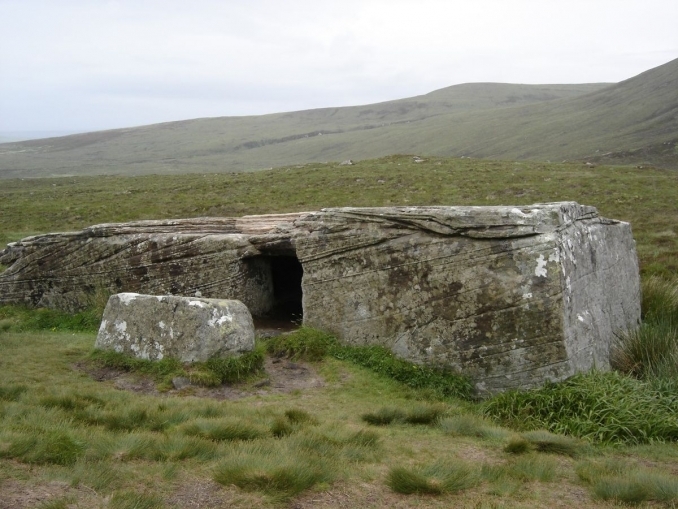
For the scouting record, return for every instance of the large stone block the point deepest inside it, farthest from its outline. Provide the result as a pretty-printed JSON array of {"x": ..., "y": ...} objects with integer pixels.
[
  {"x": 189, "y": 329},
  {"x": 511, "y": 296}
]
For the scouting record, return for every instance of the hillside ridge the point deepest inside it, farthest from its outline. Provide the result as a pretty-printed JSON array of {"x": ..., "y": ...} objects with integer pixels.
[{"x": 486, "y": 120}]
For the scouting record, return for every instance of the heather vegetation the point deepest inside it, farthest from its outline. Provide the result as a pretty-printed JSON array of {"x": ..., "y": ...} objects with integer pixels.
[{"x": 379, "y": 432}]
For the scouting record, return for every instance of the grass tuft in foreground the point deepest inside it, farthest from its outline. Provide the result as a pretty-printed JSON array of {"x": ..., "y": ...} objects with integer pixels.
[
  {"x": 303, "y": 344},
  {"x": 651, "y": 350},
  {"x": 524, "y": 468},
  {"x": 543, "y": 441},
  {"x": 220, "y": 430},
  {"x": 52, "y": 447},
  {"x": 436, "y": 479},
  {"x": 602, "y": 407},
  {"x": 614, "y": 480},
  {"x": 426, "y": 415},
  {"x": 468, "y": 425}
]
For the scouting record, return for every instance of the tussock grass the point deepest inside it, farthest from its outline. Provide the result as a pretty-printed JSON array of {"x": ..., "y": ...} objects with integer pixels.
[
  {"x": 659, "y": 297},
  {"x": 526, "y": 468},
  {"x": 421, "y": 414},
  {"x": 590, "y": 470},
  {"x": 303, "y": 344},
  {"x": 236, "y": 369},
  {"x": 384, "y": 416},
  {"x": 543, "y": 441},
  {"x": 300, "y": 416},
  {"x": 11, "y": 392},
  {"x": 518, "y": 445},
  {"x": 279, "y": 477},
  {"x": 617, "y": 481},
  {"x": 424, "y": 414},
  {"x": 651, "y": 350},
  {"x": 469, "y": 425},
  {"x": 51, "y": 447},
  {"x": 293, "y": 420},
  {"x": 96, "y": 475},
  {"x": 220, "y": 430},
  {"x": 601, "y": 407},
  {"x": 291, "y": 465},
  {"x": 135, "y": 500},
  {"x": 355, "y": 446},
  {"x": 435, "y": 479},
  {"x": 282, "y": 427}
]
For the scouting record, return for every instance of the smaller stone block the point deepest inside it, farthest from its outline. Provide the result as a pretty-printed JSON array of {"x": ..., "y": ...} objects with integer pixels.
[{"x": 187, "y": 328}]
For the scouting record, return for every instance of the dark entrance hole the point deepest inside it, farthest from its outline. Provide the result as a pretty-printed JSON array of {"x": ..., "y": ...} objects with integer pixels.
[
  {"x": 286, "y": 273},
  {"x": 278, "y": 279}
]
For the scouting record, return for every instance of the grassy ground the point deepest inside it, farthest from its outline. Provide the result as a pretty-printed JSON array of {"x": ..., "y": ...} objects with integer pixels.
[
  {"x": 646, "y": 197},
  {"x": 67, "y": 440},
  {"x": 360, "y": 439}
]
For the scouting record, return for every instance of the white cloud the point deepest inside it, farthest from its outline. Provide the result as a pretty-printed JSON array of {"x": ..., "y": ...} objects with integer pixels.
[{"x": 82, "y": 64}]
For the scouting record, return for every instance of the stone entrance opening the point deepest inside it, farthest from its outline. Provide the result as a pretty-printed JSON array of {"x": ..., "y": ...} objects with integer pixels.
[
  {"x": 275, "y": 284},
  {"x": 286, "y": 274}
]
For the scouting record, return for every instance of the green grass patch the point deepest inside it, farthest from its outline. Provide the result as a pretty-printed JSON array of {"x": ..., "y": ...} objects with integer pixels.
[
  {"x": 287, "y": 467},
  {"x": 601, "y": 407},
  {"x": 220, "y": 430},
  {"x": 278, "y": 477},
  {"x": 523, "y": 468},
  {"x": 651, "y": 350},
  {"x": 468, "y": 425},
  {"x": 543, "y": 441},
  {"x": 52, "y": 447},
  {"x": 135, "y": 500},
  {"x": 440, "y": 383},
  {"x": 617, "y": 481},
  {"x": 421, "y": 414},
  {"x": 212, "y": 373},
  {"x": 435, "y": 479},
  {"x": 15, "y": 318},
  {"x": 11, "y": 392},
  {"x": 303, "y": 344},
  {"x": 292, "y": 421},
  {"x": 310, "y": 344},
  {"x": 60, "y": 503}
]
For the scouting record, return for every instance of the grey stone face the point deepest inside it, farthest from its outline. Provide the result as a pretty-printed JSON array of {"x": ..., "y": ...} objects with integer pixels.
[
  {"x": 186, "y": 328},
  {"x": 512, "y": 296}
]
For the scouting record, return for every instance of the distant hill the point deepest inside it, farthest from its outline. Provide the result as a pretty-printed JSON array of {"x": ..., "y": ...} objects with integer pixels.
[{"x": 632, "y": 121}]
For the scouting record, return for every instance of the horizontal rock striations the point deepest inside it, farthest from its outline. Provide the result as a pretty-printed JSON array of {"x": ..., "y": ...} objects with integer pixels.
[{"x": 511, "y": 296}]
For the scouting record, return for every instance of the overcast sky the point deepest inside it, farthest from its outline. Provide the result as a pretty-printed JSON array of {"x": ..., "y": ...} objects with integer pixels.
[{"x": 83, "y": 65}]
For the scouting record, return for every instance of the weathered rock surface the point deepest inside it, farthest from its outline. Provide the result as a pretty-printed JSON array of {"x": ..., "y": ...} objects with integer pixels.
[
  {"x": 187, "y": 328},
  {"x": 510, "y": 295}
]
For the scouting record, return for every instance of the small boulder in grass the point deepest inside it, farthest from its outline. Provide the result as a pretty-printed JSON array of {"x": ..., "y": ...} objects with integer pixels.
[{"x": 190, "y": 329}]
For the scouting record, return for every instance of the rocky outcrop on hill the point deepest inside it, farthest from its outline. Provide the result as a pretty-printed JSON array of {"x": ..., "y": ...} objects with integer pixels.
[{"x": 511, "y": 296}]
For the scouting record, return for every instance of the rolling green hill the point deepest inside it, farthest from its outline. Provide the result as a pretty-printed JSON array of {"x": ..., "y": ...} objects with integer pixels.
[{"x": 630, "y": 122}]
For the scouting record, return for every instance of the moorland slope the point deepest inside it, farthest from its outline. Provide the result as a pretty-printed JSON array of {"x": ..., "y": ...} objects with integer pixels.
[{"x": 629, "y": 122}]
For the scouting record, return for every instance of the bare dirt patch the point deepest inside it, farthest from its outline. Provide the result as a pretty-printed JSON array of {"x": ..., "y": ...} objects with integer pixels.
[
  {"x": 200, "y": 493},
  {"x": 16, "y": 494},
  {"x": 280, "y": 376}
]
